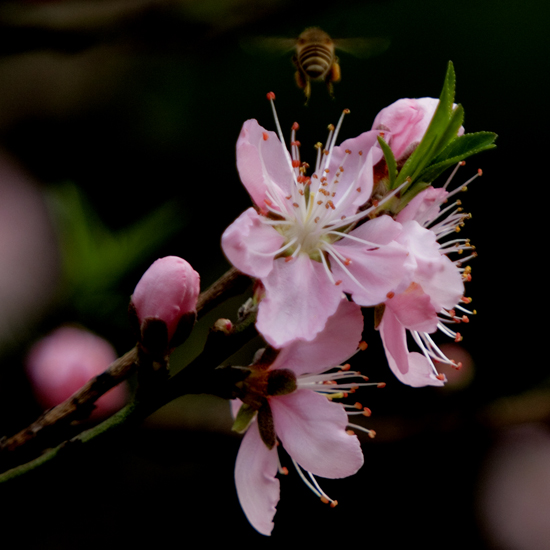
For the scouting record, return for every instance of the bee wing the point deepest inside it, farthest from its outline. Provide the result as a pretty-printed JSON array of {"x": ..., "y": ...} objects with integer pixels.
[
  {"x": 363, "y": 47},
  {"x": 267, "y": 45}
]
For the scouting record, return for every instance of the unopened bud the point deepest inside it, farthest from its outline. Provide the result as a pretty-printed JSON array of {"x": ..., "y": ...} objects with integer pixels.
[{"x": 166, "y": 295}]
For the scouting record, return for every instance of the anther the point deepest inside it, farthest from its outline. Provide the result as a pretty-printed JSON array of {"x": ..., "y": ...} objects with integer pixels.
[
  {"x": 295, "y": 126},
  {"x": 331, "y": 127},
  {"x": 296, "y": 163},
  {"x": 381, "y": 385},
  {"x": 362, "y": 345},
  {"x": 347, "y": 111},
  {"x": 367, "y": 411},
  {"x": 372, "y": 434},
  {"x": 479, "y": 172},
  {"x": 270, "y": 96},
  {"x": 265, "y": 135},
  {"x": 390, "y": 295}
]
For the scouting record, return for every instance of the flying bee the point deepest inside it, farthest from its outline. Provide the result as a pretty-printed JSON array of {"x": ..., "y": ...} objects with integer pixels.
[{"x": 315, "y": 55}]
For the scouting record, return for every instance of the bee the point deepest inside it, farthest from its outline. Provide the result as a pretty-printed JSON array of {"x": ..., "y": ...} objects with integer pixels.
[
  {"x": 315, "y": 59},
  {"x": 315, "y": 55}
]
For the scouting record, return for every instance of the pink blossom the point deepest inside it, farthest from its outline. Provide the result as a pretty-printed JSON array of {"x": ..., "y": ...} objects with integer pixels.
[
  {"x": 61, "y": 363},
  {"x": 166, "y": 291},
  {"x": 311, "y": 427},
  {"x": 297, "y": 239},
  {"x": 406, "y": 122},
  {"x": 430, "y": 294}
]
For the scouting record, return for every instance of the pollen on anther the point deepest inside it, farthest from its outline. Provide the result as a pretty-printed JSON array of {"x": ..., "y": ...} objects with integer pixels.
[
  {"x": 284, "y": 471},
  {"x": 295, "y": 126},
  {"x": 458, "y": 337},
  {"x": 390, "y": 295},
  {"x": 265, "y": 135},
  {"x": 362, "y": 345},
  {"x": 381, "y": 385},
  {"x": 334, "y": 503},
  {"x": 296, "y": 163},
  {"x": 270, "y": 96},
  {"x": 346, "y": 111},
  {"x": 479, "y": 172},
  {"x": 358, "y": 405},
  {"x": 348, "y": 152},
  {"x": 367, "y": 411},
  {"x": 347, "y": 261},
  {"x": 347, "y": 366},
  {"x": 462, "y": 163},
  {"x": 360, "y": 153},
  {"x": 358, "y": 190}
]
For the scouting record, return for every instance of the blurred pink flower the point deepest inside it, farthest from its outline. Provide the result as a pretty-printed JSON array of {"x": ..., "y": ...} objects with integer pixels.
[
  {"x": 297, "y": 239},
  {"x": 29, "y": 259},
  {"x": 311, "y": 427},
  {"x": 406, "y": 122},
  {"x": 168, "y": 290},
  {"x": 62, "y": 362}
]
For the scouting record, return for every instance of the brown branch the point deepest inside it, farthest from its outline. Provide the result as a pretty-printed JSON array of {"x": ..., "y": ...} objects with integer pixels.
[
  {"x": 231, "y": 283},
  {"x": 81, "y": 403}
]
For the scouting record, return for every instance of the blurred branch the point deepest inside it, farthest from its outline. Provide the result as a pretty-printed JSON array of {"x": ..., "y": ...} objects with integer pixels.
[{"x": 190, "y": 380}]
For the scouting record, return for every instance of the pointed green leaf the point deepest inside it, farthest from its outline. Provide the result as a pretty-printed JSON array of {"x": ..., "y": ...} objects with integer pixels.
[
  {"x": 439, "y": 132},
  {"x": 390, "y": 161},
  {"x": 459, "y": 149}
]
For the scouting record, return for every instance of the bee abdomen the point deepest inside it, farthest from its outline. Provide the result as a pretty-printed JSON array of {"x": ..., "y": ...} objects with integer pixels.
[{"x": 316, "y": 61}]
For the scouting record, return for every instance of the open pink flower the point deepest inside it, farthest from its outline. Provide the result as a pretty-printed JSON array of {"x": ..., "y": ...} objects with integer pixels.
[
  {"x": 298, "y": 239},
  {"x": 431, "y": 292},
  {"x": 311, "y": 427},
  {"x": 406, "y": 120}
]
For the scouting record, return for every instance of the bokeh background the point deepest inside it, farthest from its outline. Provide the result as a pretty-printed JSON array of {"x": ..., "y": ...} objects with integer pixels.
[{"x": 118, "y": 123}]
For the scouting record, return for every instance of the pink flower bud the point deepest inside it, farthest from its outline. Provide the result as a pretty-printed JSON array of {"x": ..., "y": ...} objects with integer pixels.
[
  {"x": 61, "y": 363},
  {"x": 168, "y": 290},
  {"x": 407, "y": 121}
]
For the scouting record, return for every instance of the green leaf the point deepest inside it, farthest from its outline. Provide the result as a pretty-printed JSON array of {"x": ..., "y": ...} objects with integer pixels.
[
  {"x": 94, "y": 257},
  {"x": 459, "y": 149},
  {"x": 390, "y": 161}
]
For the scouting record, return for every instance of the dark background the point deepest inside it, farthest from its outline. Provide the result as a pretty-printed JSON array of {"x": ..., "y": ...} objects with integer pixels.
[{"x": 137, "y": 106}]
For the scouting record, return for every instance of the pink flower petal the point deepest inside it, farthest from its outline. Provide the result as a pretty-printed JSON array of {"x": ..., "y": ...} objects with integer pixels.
[
  {"x": 262, "y": 163},
  {"x": 257, "y": 486},
  {"x": 247, "y": 243},
  {"x": 331, "y": 347},
  {"x": 313, "y": 432},
  {"x": 410, "y": 368},
  {"x": 299, "y": 300},
  {"x": 433, "y": 271},
  {"x": 378, "y": 270},
  {"x": 424, "y": 207},
  {"x": 414, "y": 309},
  {"x": 357, "y": 169}
]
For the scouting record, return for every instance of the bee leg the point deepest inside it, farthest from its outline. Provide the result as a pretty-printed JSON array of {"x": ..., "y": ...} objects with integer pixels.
[
  {"x": 303, "y": 83},
  {"x": 333, "y": 75}
]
